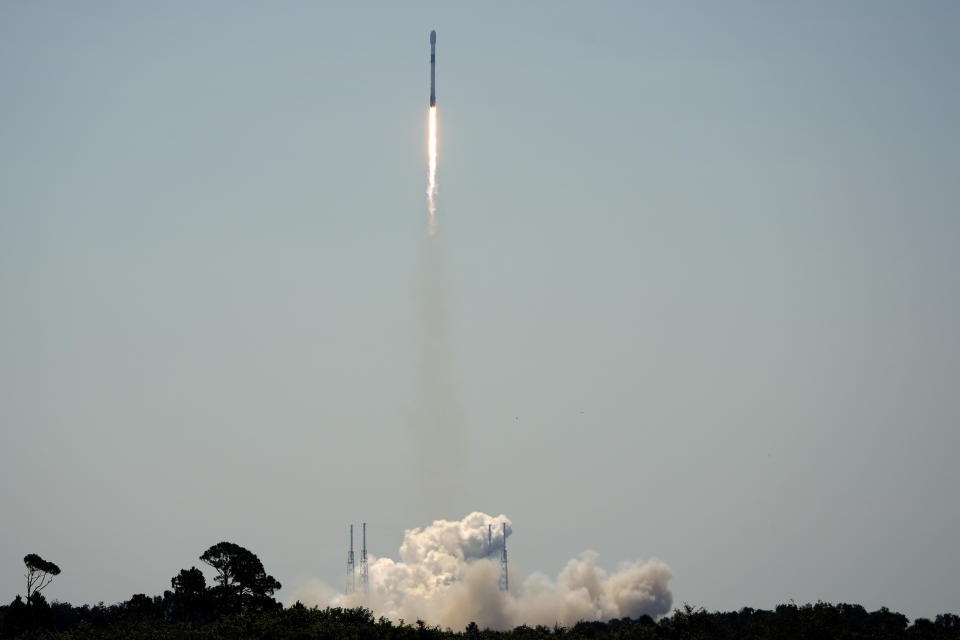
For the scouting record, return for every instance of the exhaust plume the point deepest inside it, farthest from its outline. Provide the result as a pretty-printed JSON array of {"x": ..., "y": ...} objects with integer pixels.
[
  {"x": 437, "y": 417},
  {"x": 432, "y": 171},
  {"x": 447, "y": 576}
]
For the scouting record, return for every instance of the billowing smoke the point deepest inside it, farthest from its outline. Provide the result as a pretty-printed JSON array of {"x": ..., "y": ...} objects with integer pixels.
[{"x": 447, "y": 576}]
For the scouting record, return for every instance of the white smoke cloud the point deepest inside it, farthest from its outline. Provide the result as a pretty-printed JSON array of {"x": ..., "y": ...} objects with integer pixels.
[{"x": 447, "y": 576}]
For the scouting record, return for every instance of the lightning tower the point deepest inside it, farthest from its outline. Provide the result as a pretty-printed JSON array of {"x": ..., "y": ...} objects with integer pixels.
[
  {"x": 364, "y": 567},
  {"x": 504, "y": 584},
  {"x": 352, "y": 584}
]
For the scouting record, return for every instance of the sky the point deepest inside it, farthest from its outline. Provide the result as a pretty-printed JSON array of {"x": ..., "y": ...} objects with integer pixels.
[{"x": 699, "y": 271}]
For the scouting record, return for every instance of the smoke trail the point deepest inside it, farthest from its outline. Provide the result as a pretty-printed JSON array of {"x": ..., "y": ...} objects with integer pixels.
[
  {"x": 447, "y": 576},
  {"x": 437, "y": 417},
  {"x": 438, "y": 421},
  {"x": 432, "y": 171}
]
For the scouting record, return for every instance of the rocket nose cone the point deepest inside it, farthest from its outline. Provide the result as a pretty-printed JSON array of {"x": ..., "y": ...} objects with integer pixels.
[{"x": 433, "y": 37}]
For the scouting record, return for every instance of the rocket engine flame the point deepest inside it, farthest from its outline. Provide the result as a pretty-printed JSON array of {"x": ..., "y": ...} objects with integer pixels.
[{"x": 432, "y": 171}]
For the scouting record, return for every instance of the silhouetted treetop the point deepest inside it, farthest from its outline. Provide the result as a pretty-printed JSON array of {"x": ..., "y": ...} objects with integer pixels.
[
  {"x": 39, "y": 574},
  {"x": 242, "y": 581},
  {"x": 189, "y": 582}
]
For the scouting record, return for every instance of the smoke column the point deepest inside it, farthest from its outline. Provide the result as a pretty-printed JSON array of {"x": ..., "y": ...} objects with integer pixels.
[{"x": 447, "y": 576}]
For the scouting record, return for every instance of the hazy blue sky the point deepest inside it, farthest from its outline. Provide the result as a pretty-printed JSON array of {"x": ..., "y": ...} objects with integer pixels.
[{"x": 701, "y": 259}]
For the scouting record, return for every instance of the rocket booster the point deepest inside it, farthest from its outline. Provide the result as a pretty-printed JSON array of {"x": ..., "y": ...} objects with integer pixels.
[{"x": 433, "y": 68}]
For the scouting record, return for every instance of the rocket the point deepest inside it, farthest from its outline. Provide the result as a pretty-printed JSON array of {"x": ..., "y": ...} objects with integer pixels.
[{"x": 433, "y": 68}]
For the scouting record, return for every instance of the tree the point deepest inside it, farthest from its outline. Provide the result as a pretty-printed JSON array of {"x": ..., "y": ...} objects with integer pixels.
[
  {"x": 472, "y": 630},
  {"x": 39, "y": 574},
  {"x": 189, "y": 600},
  {"x": 948, "y": 623},
  {"x": 16, "y": 619},
  {"x": 243, "y": 583},
  {"x": 189, "y": 583}
]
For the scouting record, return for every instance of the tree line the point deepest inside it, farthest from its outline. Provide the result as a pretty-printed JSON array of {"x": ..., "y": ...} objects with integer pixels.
[
  {"x": 240, "y": 605},
  {"x": 241, "y": 587}
]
